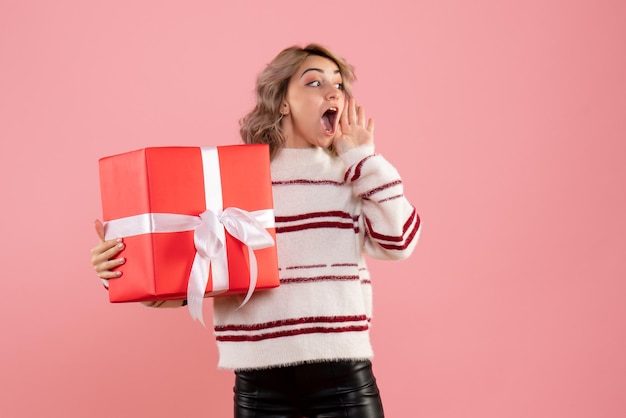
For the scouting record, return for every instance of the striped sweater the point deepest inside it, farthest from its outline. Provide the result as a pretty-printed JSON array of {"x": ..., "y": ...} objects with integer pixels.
[{"x": 330, "y": 211}]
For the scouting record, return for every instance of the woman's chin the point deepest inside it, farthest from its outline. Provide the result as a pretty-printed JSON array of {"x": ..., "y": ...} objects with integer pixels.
[{"x": 326, "y": 142}]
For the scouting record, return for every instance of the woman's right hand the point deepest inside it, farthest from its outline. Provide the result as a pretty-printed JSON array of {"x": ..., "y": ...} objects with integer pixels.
[
  {"x": 354, "y": 128},
  {"x": 104, "y": 256}
]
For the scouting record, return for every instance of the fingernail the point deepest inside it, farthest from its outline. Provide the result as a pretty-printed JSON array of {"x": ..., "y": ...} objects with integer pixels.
[
  {"x": 119, "y": 240},
  {"x": 118, "y": 273},
  {"x": 121, "y": 260},
  {"x": 120, "y": 245}
]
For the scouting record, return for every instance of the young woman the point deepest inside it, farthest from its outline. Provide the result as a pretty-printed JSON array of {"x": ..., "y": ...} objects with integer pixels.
[{"x": 303, "y": 349}]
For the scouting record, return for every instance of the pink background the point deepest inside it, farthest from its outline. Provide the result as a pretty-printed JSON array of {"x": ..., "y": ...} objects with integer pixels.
[{"x": 506, "y": 119}]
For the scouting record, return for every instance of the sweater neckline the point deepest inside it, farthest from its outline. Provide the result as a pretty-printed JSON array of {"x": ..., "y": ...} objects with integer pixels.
[{"x": 302, "y": 156}]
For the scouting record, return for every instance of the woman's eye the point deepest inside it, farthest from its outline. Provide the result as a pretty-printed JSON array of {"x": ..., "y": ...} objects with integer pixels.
[
  {"x": 314, "y": 84},
  {"x": 339, "y": 86}
]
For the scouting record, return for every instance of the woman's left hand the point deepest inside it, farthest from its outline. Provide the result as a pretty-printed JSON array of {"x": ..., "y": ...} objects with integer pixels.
[{"x": 354, "y": 129}]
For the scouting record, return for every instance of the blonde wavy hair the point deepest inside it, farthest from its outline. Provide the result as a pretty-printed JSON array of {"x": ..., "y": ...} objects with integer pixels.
[{"x": 263, "y": 125}]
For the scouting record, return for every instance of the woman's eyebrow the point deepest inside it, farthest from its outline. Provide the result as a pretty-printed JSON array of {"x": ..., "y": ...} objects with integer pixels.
[{"x": 319, "y": 70}]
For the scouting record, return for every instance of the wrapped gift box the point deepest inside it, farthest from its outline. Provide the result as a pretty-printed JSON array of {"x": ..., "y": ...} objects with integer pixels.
[{"x": 171, "y": 205}]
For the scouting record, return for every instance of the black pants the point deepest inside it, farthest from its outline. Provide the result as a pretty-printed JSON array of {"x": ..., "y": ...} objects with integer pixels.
[{"x": 328, "y": 389}]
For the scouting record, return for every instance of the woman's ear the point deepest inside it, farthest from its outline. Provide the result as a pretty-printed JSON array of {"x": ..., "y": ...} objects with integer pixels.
[{"x": 284, "y": 109}]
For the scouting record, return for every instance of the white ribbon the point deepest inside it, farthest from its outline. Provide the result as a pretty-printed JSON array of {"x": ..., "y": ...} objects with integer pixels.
[{"x": 209, "y": 236}]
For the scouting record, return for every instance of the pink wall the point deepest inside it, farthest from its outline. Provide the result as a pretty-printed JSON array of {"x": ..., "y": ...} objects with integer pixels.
[{"x": 506, "y": 119}]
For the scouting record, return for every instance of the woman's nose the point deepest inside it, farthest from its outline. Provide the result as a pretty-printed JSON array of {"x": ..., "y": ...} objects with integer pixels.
[{"x": 333, "y": 93}]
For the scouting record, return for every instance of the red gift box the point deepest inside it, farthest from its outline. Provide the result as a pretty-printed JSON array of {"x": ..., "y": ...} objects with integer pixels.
[{"x": 175, "y": 208}]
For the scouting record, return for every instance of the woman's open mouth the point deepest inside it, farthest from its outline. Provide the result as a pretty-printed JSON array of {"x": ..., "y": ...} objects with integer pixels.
[{"x": 328, "y": 120}]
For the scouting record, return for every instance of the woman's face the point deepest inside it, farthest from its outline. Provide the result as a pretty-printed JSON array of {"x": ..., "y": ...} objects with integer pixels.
[{"x": 313, "y": 104}]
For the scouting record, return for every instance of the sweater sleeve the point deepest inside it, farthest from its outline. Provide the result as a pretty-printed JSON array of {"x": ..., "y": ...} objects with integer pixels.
[{"x": 391, "y": 223}]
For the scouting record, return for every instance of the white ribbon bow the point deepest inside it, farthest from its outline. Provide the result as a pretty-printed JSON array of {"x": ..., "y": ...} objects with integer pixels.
[{"x": 211, "y": 252}]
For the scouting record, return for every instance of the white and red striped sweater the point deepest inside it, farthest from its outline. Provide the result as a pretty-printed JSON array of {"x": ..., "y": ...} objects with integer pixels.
[{"x": 329, "y": 210}]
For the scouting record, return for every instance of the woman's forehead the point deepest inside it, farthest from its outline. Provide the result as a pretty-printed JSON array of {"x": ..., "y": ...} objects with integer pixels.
[{"x": 316, "y": 62}]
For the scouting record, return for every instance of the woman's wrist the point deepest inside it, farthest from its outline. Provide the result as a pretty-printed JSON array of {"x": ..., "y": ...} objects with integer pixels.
[{"x": 355, "y": 155}]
